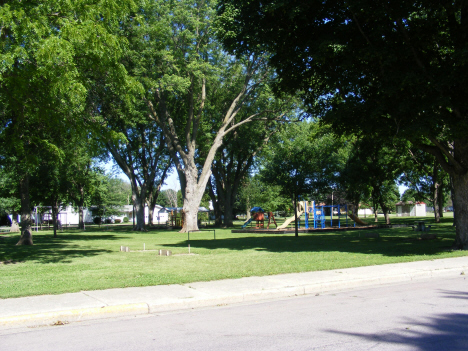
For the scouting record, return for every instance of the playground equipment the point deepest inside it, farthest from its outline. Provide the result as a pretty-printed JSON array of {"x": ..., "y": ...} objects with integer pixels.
[
  {"x": 317, "y": 214},
  {"x": 258, "y": 214},
  {"x": 271, "y": 217},
  {"x": 246, "y": 223},
  {"x": 356, "y": 219},
  {"x": 320, "y": 218},
  {"x": 260, "y": 218},
  {"x": 288, "y": 221}
]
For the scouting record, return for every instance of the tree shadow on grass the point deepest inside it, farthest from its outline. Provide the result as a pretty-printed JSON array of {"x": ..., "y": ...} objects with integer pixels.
[
  {"x": 392, "y": 242},
  {"x": 47, "y": 249},
  {"x": 441, "y": 332}
]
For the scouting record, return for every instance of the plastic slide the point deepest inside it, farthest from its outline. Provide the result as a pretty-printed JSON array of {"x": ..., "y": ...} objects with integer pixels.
[
  {"x": 289, "y": 220},
  {"x": 356, "y": 219},
  {"x": 247, "y": 223}
]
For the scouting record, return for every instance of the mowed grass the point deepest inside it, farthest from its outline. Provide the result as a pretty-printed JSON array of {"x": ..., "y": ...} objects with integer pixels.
[{"x": 92, "y": 259}]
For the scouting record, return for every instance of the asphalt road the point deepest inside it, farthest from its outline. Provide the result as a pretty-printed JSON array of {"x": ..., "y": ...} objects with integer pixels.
[{"x": 421, "y": 315}]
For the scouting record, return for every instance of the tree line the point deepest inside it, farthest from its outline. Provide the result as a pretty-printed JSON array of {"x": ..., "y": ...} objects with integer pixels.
[{"x": 203, "y": 87}]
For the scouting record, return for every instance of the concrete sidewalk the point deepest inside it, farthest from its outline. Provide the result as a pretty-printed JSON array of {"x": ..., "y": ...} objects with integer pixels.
[{"x": 86, "y": 305}]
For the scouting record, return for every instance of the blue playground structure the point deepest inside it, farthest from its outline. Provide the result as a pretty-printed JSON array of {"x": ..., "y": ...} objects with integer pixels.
[{"x": 319, "y": 216}]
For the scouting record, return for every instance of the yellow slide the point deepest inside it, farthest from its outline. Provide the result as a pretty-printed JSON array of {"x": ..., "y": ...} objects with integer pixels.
[
  {"x": 289, "y": 220},
  {"x": 356, "y": 219}
]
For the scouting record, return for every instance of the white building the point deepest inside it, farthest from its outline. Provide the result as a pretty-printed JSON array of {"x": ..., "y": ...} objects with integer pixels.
[
  {"x": 410, "y": 208},
  {"x": 160, "y": 215},
  {"x": 365, "y": 212},
  {"x": 68, "y": 215}
]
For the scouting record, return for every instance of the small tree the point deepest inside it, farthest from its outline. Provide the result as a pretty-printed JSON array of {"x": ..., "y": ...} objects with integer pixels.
[{"x": 304, "y": 159}]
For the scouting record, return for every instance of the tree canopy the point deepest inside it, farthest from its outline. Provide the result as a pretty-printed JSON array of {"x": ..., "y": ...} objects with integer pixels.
[
  {"x": 48, "y": 52},
  {"x": 390, "y": 69}
]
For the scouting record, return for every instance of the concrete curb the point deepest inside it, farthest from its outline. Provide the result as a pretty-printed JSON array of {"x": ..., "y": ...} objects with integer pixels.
[
  {"x": 75, "y": 315},
  {"x": 102, "y": 304}
]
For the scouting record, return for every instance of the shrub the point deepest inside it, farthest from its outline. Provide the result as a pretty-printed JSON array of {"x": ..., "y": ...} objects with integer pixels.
[
  {"x": 117, "y": 220},
  {"x": 97, "y": 220},
  {"x": 125, "y": 219}
]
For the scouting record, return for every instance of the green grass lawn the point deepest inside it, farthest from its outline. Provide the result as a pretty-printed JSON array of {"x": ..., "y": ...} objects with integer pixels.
[{"x": 91, "y": 260}]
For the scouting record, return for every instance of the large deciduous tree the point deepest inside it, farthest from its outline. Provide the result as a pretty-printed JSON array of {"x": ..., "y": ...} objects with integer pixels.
[
  {"x": 46, "y": 50},
  {"x": 393, "y": 68},
  {"x": 235, "y": 158},
  {"x": 179, "y": 63}
]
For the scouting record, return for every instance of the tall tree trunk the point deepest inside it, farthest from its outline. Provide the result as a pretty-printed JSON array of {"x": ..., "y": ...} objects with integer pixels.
[
  {"x": 385, "y": 210},
  {"x": 441, "y": 201},
  {"x": 81, "y": 224},
  {"x": 387, "y": 216},
  {"x": 139, "y": 208},
  {"x": 81, "y": 217},
  {"x": 452, "y": 197},
  {"x": 193, "y": 190},
  {"x": 435, "y": 201},
  {"x": 376, "y": 210},
  {"x": 228, "y": 215},
  {"x": 460, "y": 185},
  {"x": 54, "y": 219},
  {"x": 248, "y": 208},
  {"x": 150, "y": 215},
  {"x": 453, "y": 158},
  {"x": 139, "y": 200},
  {"x": 218, "y": 213},
  {"x": 26, "y": 233}
]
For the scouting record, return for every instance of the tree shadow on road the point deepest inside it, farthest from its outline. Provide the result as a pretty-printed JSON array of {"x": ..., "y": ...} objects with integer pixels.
[{"x": 442, "y": 332}]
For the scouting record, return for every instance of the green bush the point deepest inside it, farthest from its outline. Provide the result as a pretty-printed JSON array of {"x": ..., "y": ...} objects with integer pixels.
[{"x": 125, "y": 220}]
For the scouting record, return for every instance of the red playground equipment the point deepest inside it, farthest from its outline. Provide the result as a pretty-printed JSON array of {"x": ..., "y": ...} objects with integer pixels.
[
  {"x": 260, "y": 218},
  {"x": 258, "y": 214}
]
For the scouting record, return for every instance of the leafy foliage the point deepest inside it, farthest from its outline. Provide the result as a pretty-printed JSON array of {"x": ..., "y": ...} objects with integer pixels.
[{"x": 304, "y": 159}]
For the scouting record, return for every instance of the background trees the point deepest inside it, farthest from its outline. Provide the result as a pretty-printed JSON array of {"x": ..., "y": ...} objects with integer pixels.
[
  {"x": 143, "y": 158},
  {"x": 255, "y": 192},
  {"x": 426, "y": 180},
  {"x": 373, "y": 167}
]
